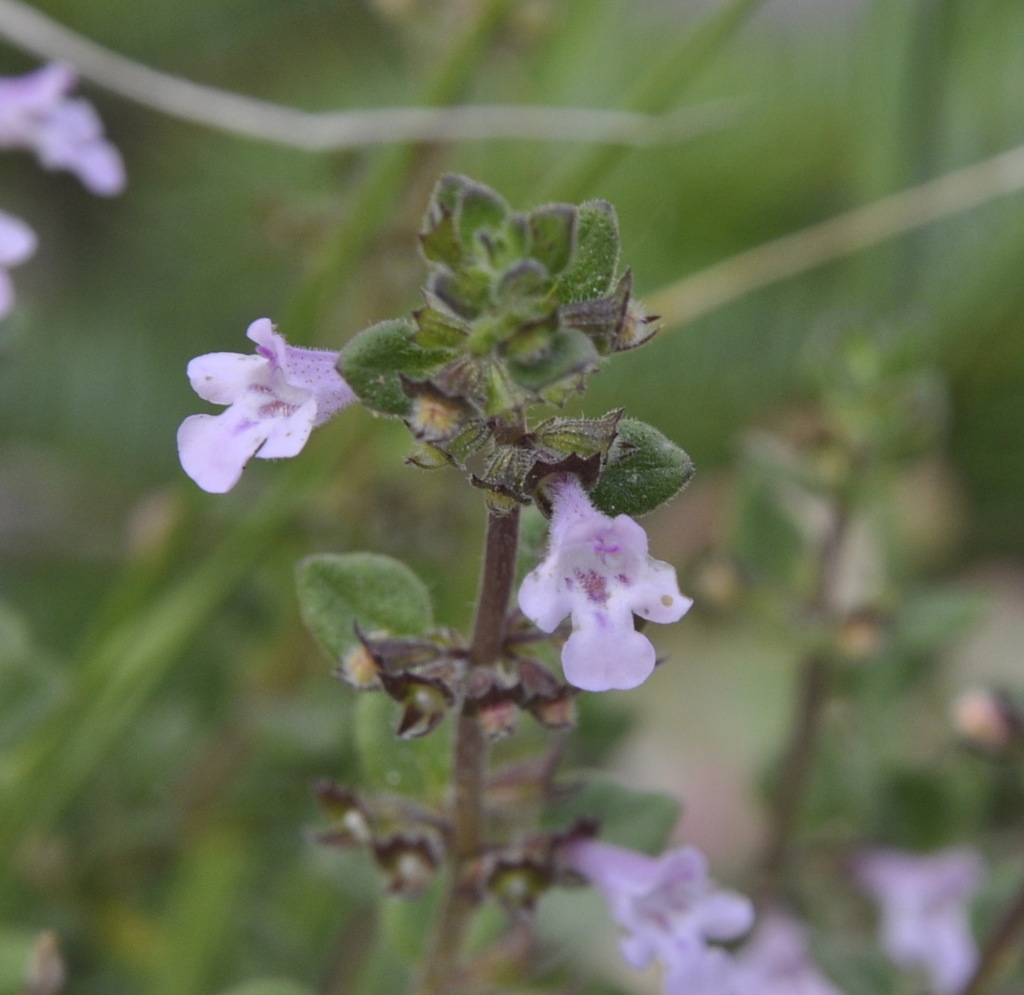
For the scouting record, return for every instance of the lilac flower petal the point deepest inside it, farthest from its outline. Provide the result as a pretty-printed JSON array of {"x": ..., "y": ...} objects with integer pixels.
[
  {"x": 317, "y": 371},
  {"x": 276, "y": 397},
  {"x": 100, "y": 169},
  {"x": 288, "y": 432},
  {"x": 710, "y": 971},
  {"x": 17, "y": 240},
  {"x": 666, "y": 907},
  {"x": 657, "y": 597},
  {"x": 223, "y": 377},
  {"x": 6, "y": 294},
  {"x": 598, "y": 659},
  {"x": 776, "y": 961},
  {"x": 215, "y": 448},
  {"x": 64, "y": 133},
  {"x": 923, "y": 900},
  {"x": 726, "y": 915},
  {"x": 597, "y": 570},
  {"x": 543, "y": 601}
]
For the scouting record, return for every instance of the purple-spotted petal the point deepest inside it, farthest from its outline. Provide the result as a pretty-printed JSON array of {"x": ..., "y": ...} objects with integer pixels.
[
  {"x": 224, "y": 377},
  {"x": 656, "y": 595},
  {"x": 276, "y": 397},
  {"x": 287, "y": 432},
  {"x": 597, "y": 570}
]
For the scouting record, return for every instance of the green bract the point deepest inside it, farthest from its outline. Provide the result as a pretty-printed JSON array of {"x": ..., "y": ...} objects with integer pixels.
[
  {"x": 375, "y": 361},
  {"x": 644, "y": 470}
]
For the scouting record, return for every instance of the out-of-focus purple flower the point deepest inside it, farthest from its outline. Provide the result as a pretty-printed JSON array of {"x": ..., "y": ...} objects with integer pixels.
[
  {"x": 597, "y": 569},
  {"x": 36, "y": 113},
  {"x": 775, "y": 961},
  {"x": 669, "y": 910},
  {"x": 17, "y": 243},
  {"x": 276, "y": 398},
  {"x": 923, "y": 900}
]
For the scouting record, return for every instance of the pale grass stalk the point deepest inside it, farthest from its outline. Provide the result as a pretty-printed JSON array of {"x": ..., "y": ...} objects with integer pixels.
[
  {"x": 34, "y": 32},
  {"x": 693, "y": 296}
]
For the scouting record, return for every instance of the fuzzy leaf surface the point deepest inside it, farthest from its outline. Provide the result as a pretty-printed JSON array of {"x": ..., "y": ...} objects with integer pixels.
[
  {"x": 337, "y": 590},
  {"x": 644, "y": 470}
]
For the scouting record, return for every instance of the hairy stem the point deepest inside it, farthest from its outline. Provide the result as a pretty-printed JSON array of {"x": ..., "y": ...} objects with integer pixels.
[
  {"x": 470, "y": 768},
  {"x": 1003, "y": 945}
]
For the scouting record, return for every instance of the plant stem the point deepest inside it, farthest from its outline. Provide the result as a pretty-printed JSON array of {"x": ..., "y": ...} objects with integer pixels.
[
  {"x": 812, "y": 696},
  {"x": 470, "y": 766},
  {"x": 796, "y": 769},
  {"x": 1003, "y": 944}
]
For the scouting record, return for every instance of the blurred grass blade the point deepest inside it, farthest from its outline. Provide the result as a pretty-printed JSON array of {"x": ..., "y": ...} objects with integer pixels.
[
  {"x": 863, "y": 227},
  {"x": 657, "y": 90}
]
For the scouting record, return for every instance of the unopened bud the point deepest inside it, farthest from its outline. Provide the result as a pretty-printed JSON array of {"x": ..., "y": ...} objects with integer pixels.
[
  {"x": 862, "y": 635},
  {"x": 986, "y": 719},
  {"x": 410, "y": 865},
  {"x": 637, "y": 328},
  {"x": 359, "y": 669},
  {"x": 555, "y": 713},
  {"x": 45, "y": 973},
  {"x": 718, "y": 582},
  {"x": 434, "y": 418},
  {"x": 350, "y": 825},
  {"x": 518, "y": 886}
]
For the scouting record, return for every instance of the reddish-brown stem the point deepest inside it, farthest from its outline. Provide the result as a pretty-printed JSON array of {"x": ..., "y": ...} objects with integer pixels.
[{"x": 470, "y": 759}]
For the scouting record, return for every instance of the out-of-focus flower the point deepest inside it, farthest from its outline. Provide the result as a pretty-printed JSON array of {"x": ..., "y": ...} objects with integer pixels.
[
  {"x": 775, "y": 961},
  {"x": 36, "y": 113},
  {"x": 670, "y": 911},
  {"x": 923, "y": 900},
  {"x": 17, "y": 243},
  {"x": 597, "y": 569},
  {"x": 276, "y": 398}
]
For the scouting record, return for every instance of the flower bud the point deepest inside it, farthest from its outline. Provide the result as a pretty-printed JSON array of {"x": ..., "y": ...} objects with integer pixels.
[
  {"x": 409, "y": 863},
  {"x": 359, "y": 669},
  {"x": 986, "y": 719}
]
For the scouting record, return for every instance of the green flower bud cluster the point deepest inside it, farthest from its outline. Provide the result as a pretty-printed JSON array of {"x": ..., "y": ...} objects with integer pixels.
[{"x": 519, "y": 309}]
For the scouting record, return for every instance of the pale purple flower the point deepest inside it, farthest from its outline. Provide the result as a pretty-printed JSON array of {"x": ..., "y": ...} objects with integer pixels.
[
  {"x": 36, "y": 113},
  {"x": 598, "y": 571},
  {"x": 17, "y": 243},
  {"x": 669, "y": 910},
  {"x": 776, "y": 961},
  {"x": 276, "y": 397},
  {"x": 923, "y": 900}
]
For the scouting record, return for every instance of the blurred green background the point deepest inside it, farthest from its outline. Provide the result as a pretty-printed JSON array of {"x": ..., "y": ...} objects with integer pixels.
[{"x": 162, "y": 712}]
